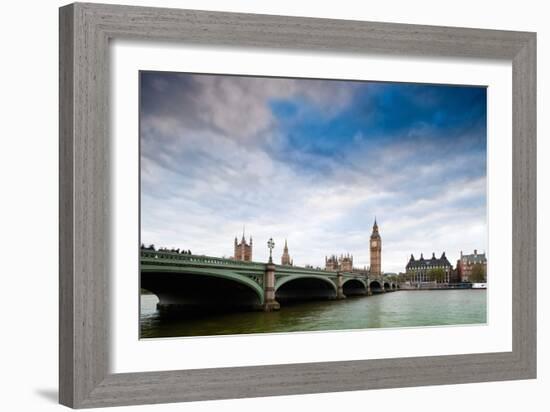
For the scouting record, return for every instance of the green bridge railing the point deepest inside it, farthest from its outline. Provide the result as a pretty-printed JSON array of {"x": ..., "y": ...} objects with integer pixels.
[
  {"x": 182, "y": 259},
  {"x": 196, "y": 259}
]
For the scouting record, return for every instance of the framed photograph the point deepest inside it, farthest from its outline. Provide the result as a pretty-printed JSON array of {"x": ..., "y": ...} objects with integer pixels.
[{"x": 256, "y": 205}]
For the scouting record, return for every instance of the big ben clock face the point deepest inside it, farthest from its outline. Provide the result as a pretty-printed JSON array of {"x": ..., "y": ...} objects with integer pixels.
[{"x": 374, "y": 243}]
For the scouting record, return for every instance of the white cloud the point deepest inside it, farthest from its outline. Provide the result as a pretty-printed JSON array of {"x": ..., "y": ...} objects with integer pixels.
[{"x": 237, "y": 106}]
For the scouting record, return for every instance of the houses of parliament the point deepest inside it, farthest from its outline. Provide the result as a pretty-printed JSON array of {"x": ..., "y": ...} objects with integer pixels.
[{"x": 343, "y": 263}]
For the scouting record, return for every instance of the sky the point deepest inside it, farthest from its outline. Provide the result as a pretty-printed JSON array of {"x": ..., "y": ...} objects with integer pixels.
[{"x": 313, "y": 162}]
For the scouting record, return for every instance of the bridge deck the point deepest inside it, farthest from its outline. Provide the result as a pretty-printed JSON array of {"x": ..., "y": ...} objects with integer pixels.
[{"x": 178, "y": 259}]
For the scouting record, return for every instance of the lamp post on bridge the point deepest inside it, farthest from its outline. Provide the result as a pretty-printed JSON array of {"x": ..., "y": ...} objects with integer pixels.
[
  {"x": 270, "y": 245},
  {"x": 270, "y": 303}
]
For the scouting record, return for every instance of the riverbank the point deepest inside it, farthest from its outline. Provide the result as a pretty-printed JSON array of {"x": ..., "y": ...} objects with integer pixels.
[{"x": 435, "y": 286}]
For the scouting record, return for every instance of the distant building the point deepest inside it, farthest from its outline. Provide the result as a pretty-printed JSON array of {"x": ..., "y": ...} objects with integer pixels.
[
  {"x": 344, "y": 263},
  {"x": 375, "y": 251},
  {"x": 285, "y": 258},
  {"x": 331, "y": 263},
  {"x": 465, "y": 264},
  {"x": 243, "y": 250},
  {"x": 454, "y": 276},
  {"x": 419, "y": 271}
]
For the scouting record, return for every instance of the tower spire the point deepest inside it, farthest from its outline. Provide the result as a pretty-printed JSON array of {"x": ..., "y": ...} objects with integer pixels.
[
  {"x": 285, "y": 258},
  {"x": 375, "y": 227}
]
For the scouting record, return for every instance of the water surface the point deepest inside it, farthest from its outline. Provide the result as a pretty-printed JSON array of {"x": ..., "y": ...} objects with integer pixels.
[{"x": 397, "y": 309}]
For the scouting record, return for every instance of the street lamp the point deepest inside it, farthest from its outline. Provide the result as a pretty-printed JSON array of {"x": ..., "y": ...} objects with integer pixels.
[{"x": 270, "y": 245}]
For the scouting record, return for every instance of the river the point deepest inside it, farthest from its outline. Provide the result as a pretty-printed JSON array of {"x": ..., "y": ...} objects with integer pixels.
[{"x": 389, "y": 310}]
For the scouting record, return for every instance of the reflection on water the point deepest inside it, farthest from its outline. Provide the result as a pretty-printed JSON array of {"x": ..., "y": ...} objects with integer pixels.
[{"x": 398, "y": 309}]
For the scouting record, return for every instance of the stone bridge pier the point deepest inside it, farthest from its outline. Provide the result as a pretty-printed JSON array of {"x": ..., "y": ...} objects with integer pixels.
[
  {"x": 270, "y": 304},
  {"x": 340, "y": 286}
]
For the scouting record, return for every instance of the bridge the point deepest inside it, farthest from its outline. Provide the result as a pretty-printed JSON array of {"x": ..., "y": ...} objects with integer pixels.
[{"x": 185, "y": 281}]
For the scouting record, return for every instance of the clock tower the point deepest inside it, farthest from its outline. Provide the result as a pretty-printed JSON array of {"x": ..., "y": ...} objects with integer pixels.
[{"x": 375, "y": 252}]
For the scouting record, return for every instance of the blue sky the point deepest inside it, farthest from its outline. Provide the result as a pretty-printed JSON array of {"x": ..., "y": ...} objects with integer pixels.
[{"x": 312, "y": 161}]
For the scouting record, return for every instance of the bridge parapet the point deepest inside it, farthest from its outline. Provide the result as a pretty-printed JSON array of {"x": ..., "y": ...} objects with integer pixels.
[
  {"x": 150, "y": 256},
  {"x": 173, "y": 257}
]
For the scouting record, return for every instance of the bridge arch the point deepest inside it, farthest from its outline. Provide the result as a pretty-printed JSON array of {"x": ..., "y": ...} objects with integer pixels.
[
  {"x": 376, "y": 287},
  {"x": 201, "y": 288},
  {"x": 354, "y": 287},
  {"x": 387, "y": 286},
  {"x": 304, "y": 287}
]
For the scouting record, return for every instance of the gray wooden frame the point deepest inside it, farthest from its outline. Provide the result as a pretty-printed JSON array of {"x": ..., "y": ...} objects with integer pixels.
[{"x": 85, "y": 31}]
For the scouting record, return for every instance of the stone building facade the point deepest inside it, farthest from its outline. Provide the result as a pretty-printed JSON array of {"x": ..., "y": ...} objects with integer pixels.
[
  {"x": 243, "y": 250},
  {"x": 418, "y": 270},
  {"x": 466, "y": 263},
  {"x": 344, "y": 263},
  {"x": 331, "y": 263}
]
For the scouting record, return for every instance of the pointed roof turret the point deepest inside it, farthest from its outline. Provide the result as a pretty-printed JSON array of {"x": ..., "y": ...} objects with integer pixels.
[{"x": 375, "y": 233}]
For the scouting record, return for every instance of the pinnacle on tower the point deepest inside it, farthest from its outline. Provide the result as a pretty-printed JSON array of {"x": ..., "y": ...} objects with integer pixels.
[{"x": 375, "y": 227}]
